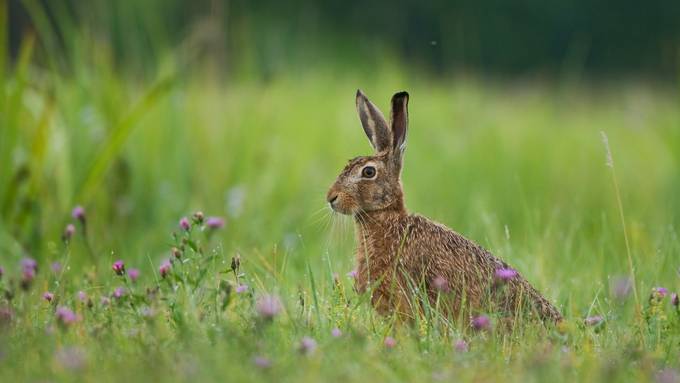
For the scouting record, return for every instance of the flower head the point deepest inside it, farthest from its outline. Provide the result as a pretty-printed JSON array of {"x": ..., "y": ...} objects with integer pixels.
[
  {"x": 240, "y": 289},
  {"x": 48, "y": 296},
  {"x": 82, "y": 296},
  {"x": 481, "y": 323},
  {"x": 461, "y": 346},
  {"x": 352, "y": 274},
  {"x": 441, "y": 284},
  {"x": 165, "y": 268},
  {"x": 215, "y": 222},
  {"x": 133, "y": 274},
  {"x": 667, "y": 375},
  {"x": 118, "y": 267},
  {"x": 66, "y": 316},
  {"x": 29, "y": 264},
  {"x": 78, "y": 213},
  {"x": 2, "y": 272},
  {"x": 593, "y": 320},
  {"x": 176, "y": 253},
  {"x": 199, "y": 217},
  {"x": 268, "y": 306},
  {"x": 505, "y": 274},
  {"x": 390, "y": 342},
  {"x": 56, "y": 267},
  {"x": 307, "y": 346},
  {"x": 184, "y": 224},
  {"x": 675, "y": 301},
  {"x": 119, "y": 292},
  {"x": 262, "y": 362},
  {"x": 659, "y": 292},
  {"x": 105, "y": 301},
  {"x": 336, "y": 333},
  {"x": 68, "y": 232}
]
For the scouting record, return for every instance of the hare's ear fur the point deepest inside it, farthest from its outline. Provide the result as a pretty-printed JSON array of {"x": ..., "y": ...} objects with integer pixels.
[
  {"x": 375, "y": 126},
  {"x": 399, "y": 122}
]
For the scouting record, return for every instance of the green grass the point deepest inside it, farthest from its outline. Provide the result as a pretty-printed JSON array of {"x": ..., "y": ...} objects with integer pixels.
[{"x": 519, "y": 168}]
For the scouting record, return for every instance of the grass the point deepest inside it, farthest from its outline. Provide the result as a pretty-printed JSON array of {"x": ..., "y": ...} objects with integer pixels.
[{"x": 520, "y": 168}]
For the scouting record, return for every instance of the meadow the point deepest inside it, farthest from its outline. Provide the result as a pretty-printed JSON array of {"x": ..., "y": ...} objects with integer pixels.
[{"x": 259, "y": 288}]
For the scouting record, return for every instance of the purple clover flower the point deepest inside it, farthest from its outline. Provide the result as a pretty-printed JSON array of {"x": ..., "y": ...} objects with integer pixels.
[
  {"x": 336, "y": 333},
  {"x": 268, "y": 306},
  {"x": 481, "y": 323},
  {"x": 78, "y": 213},
  {"x": 307, "y": 346},
  {"x": 441, "y": 284},
  {"x": 68, "y": 232},
  {"x": 29, "y": 264},
  {"x": 262, "y": 362},
  {"x": 184, "y": 224},
  {"x": 133, "y": 274},
  {"x": 593, "y": 320},
  {"x": 165, "y": 268},
  {"x": 56, "y": 267},
  {"x": 461, "y": 345},
  {"x": 119, "y": 292},
  {"x": 214, "y": 222},
  {"x": 66, "y": 316},
  {"x": 660, "y": 292},
  {"x": 118, "y": 267},
  {"x": 505, "y": 274},
  {"x": 390, "y": 342}
]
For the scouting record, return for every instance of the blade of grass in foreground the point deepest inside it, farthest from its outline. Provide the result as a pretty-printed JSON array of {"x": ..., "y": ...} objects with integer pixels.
[
  {"x": 631, "y": 268},
  {"x": 119, "y": 135}
]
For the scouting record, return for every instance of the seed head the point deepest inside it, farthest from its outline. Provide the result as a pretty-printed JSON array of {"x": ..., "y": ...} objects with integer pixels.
[{"x": 199, "y": 217}]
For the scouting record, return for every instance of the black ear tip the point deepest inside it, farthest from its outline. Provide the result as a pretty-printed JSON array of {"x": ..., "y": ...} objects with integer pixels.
[
  {"x": 360, "y": 93},
  {"x": 400, "y": 95}
]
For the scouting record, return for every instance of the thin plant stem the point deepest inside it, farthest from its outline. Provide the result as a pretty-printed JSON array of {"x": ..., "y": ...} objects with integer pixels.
[{"x": 631, "y": 268}]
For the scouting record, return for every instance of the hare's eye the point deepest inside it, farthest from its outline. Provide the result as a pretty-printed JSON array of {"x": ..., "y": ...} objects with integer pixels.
[{"x": 368, "y": 172}]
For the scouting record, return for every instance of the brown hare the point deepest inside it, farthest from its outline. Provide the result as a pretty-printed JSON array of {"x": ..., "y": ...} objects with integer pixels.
[{"x": 400, "y": 253}]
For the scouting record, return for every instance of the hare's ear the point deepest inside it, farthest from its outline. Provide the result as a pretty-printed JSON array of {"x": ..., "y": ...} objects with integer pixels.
[
  {"x": 399, "y": 122},
  {"x": 374, "y": 123}
]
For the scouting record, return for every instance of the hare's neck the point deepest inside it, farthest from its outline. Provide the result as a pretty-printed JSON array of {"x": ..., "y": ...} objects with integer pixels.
[{"x": 376, "y": 224}]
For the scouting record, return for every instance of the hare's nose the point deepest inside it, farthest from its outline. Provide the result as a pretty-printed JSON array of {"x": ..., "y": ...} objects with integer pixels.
[{"x": 332, "y": 198}]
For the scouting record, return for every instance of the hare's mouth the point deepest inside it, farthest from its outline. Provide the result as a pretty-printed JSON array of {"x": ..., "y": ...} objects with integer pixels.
[{"x": 341, "y": 203}]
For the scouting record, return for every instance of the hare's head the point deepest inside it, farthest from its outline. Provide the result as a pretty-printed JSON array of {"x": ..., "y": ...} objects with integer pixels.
[{"x": 371, "y": 183}]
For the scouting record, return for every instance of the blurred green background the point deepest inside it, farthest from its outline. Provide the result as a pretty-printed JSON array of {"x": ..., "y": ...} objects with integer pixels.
[{"x": 144, "y": 112}]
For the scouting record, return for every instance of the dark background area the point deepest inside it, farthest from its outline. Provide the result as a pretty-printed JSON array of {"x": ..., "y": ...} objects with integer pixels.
[{"x": 593, "y": 37}]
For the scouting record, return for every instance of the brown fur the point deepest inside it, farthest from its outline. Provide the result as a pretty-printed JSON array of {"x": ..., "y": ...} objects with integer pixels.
[{"x": 398, "y": 252}]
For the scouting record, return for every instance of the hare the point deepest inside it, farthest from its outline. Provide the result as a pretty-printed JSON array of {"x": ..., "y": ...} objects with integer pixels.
[{"x": 399, "y": 254}]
